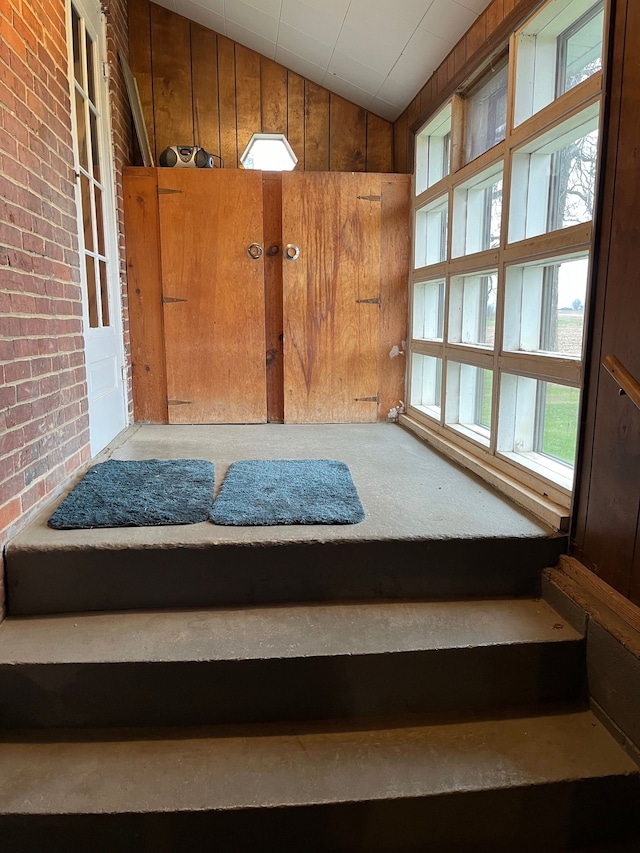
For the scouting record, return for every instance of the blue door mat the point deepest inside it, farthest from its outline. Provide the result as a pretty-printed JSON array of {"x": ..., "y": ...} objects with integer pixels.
[
  {"x": 287, "y": 491},
  {"x": 121, "y": 493}
]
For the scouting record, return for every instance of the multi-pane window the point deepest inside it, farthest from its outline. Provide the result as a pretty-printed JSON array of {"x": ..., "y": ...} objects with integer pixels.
[{"x": 505, "y": 187}]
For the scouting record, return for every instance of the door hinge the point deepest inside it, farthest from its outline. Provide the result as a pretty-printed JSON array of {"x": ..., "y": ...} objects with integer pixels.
[
  {"x": 376, "y": 301},
  {"x": 179, "y": 402},
  {"x": 370, "y": 197},
  {"x": 375, "y": 399},
  {"x": 166, "y": 191},
  {"x": 166, "y": 299},
  {"x": 105, "y": 70}
]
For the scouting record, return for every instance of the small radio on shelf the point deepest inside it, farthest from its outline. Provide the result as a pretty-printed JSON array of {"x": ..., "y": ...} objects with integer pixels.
[{"x": 187, "y": 157}]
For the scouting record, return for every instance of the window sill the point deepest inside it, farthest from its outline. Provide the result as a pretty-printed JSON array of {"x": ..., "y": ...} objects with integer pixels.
[{"x": 555, "y": 514}]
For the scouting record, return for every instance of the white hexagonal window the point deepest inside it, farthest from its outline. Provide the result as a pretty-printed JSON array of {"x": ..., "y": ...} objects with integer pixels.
[{"x": 269, "y": 152}]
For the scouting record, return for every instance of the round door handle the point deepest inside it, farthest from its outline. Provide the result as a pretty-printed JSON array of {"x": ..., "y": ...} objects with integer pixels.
[
  {"x": 254, "y": 251},
  {"x": 291, "y": 252}
]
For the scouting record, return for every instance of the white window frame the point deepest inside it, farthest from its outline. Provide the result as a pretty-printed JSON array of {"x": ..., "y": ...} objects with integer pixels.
[{"x": 540, "y": 482}]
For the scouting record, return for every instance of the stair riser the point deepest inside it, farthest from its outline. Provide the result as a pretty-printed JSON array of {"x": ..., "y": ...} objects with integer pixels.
[
  {"x": 528, "y": 820},
  {"x": 191, "y": 693},
  {"x": 74, "y": 580}
]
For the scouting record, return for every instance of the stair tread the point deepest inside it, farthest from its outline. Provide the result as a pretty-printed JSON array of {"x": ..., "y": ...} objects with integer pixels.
[
  {"x": 275, "y": 632},
  {"x": 196, "y": 769}
]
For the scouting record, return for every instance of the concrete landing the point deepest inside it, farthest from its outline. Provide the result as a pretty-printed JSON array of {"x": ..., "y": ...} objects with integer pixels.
[
  {"x": 408, "y": 491},
  {"x": 431, "y": 530}
]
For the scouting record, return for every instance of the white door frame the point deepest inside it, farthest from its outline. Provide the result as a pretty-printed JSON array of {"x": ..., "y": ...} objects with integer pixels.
[{"x": 104, "y": 344}]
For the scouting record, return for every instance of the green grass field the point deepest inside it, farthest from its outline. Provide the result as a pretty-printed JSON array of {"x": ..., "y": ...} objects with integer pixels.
[{"x": 561, "y": 423}]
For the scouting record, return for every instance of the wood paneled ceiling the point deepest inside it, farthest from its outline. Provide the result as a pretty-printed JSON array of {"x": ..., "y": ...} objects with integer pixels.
[{"x": 376, "y": 53}]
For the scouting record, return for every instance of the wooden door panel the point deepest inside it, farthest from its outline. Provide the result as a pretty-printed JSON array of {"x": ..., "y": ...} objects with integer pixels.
[
  {"x": 213, "y": 295},
  {"x": 329, "y": 296}
]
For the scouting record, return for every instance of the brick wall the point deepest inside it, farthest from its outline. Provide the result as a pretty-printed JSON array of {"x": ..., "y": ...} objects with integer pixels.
[{"x": 44, "y": 429}]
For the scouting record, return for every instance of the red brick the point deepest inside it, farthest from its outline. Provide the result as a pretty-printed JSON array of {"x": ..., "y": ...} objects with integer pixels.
[{"x": 9, "y": 513}]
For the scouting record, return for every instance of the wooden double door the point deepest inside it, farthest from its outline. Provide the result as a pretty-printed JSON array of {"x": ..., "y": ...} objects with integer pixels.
[{"x": 279, "y": 294}]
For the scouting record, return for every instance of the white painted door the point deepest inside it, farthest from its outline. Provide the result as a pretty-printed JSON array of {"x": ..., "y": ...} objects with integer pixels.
[{"x": 98, "y": 245}]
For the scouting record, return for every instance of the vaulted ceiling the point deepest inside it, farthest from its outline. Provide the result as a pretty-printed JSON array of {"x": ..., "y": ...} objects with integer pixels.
[{"x": 377, "y": 53}]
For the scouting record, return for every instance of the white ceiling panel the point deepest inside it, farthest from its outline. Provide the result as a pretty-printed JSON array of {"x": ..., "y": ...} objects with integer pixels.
[
  {"x": 383, "y": 109},
  {"x": 410, "y": 10},
  {"x": 347, "y": 90},
  {"x": 355, "y": 72},
  {"x": 424, "y": 50},
  {"x": 447, "y": 20},
  {"x": 304, "y": 45},
  {"x": 250, "y": 39},
  {"x": 241, "y": 13},
  {"x": 269, "y": 7},
  {"x": 300, "y": 65},
  {"x": 213, "y": 20},
  {"x": 377, "y": 53},
  {"x": 312, "y": 19}
]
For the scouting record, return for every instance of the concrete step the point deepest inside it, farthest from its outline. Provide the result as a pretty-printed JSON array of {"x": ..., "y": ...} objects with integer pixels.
[
  {"x": 148, "y": 568},
  {"x": 400, "y": 784},
  {"x": 275, "y": 663}
]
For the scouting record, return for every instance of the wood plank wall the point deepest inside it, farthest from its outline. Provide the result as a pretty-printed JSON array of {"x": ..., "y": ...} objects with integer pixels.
[
  {"x": 199, "y": 87},
  {"x": 489, "y": 33}
]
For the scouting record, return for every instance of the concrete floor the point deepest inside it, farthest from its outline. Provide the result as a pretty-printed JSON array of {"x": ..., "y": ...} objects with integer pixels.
[{"x": 408, "y": 490}]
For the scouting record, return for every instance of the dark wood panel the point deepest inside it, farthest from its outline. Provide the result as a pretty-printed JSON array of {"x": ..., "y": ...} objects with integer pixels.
[
  {"x": 379, "y": 144},
  {"x": 295, "y": 117},
  {"x": 172, "y": 91},
  {"x": 213, "y": 295},
  {"x": 329, "y": 295},
  {"x": 316, "y": 128},
  {"x": 401, "y": 144},
  {"x": 140, "y": 60},
  {"x": 608, "y": 503},
  {"x": 394, "y": 278},
  {"x": 227, "y": 102},
  {"x": 144, "y": 283},
  {"x": 204, "y": 70},
  {"x": 347, "y": 136},
  {"x": 272, "y": 227},
  {"x": 274, "y": 96},
  {"x": 249, "y": 119}
]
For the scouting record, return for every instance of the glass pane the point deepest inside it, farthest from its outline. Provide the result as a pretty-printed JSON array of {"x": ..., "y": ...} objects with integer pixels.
[
  {"x": 544, "y": 306},
  {"x": 81, "y": 123},
  {"x": 433, "y": 148},
  {"x": 486, "y": 113},
  {"x": 91, "y": 292},
  {"x": 426, "y": 383},
  {"x": 77, "y": 46},
  {"x": 574, "y": 176},
  {"x": 554, "y": 178},
  {"x": 472, "y": 309},
  {"x": 559, "y": 48},
  {"x": 91, "y": 80},
  {"x": 477, "y": 213},
  {"x": 558, "y": 421},
  {"x": 468, "y": 401},
  {"x": 428, "y": 310},
  {"x": 538, "y": 425},
  {"x": 431, "y": 233},
  {"x": 95, "y": 150},
  {"x": 580, "y": 49},
  {"x": 85, "y": 190},
  {"x": 104, "y": 292},
  {"x": 97, "y": 194}
]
